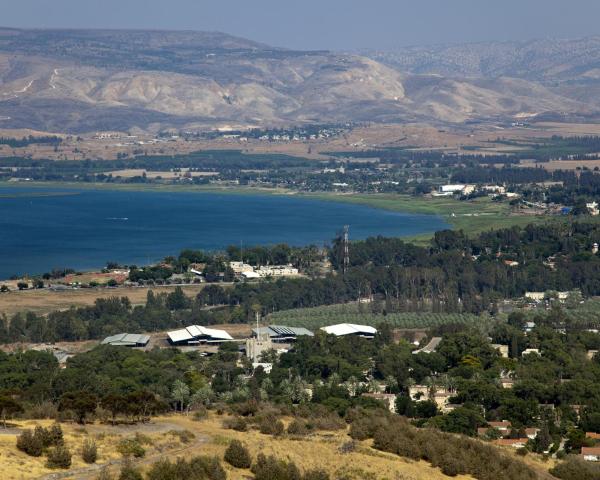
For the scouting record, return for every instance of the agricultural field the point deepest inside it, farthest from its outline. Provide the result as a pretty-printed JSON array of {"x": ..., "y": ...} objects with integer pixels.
[
  {"x": 472, "y": 217},
  {"x": 45, "y": 300},
  {"x": 586, "y": 315},
  {"x": 317, "y": 317}
]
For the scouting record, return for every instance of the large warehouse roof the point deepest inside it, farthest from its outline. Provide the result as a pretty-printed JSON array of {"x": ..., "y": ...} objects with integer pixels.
[
  {"x": 127, "y": 340},
  {"x": 350, "y": 329},
  {"x": 283, "y": 331},
  {"x": 196, "y": 333}
]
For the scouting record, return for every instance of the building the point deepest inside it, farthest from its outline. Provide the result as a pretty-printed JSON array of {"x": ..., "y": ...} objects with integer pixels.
[
  {"x": 245, "y": 270},
  {"x": 430, "y": 347},
  {"x": 281, "y": 333},
  {"x": 593, "y": 208},
  {"x": 507, "y": 383},
  {"x": 592, "y": 435},
  {"x": 530, "y": 351},
  {"x": 503, "y": 426},
  {"x": 502, "y": 349},
  {"x": 591, "y": 454},
  {"x": 196, "y": 335},
  {"x": 512, "y": 442},
  {"x": 267, "y": 367},
  {"x": 448, "y": 190},
  {"x": 127, "y": 340},
  {"x": 277, "y": 271},
  {"x": 344, "y": 329},
  {"x": 240, "y": 267},
  {"x": 532, "y": 433},
  {"x": 257, "y": 345},
  {"x": 388, "y": 399}
]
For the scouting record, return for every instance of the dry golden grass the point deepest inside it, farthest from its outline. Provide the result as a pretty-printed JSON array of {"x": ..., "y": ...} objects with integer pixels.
[
  {"x": 318, "y": 451},
  {"x": 563, "y": 164},
  {"x": 44, "y": 301}
]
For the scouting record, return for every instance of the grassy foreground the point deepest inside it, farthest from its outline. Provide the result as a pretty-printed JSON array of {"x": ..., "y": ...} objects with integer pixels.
[{"x": 161, "y": 438}]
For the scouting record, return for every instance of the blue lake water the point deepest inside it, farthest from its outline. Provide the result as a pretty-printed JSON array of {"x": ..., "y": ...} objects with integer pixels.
[{"x": 84, "y": 229}]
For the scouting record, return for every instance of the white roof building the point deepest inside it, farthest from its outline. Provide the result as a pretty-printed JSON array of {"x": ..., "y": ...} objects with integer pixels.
[
  {"x": 127, "y": 340},
  {"x": 196, "y": 334},
  {"x": 343, "y": 329}
]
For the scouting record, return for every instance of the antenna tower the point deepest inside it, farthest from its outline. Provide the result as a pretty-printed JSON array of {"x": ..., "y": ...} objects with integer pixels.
[{"x": 346, "y": 248}]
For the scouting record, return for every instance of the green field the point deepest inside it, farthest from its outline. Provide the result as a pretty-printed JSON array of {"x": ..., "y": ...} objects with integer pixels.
[
  {"x": 317, "y": 317},
  {"x": 472, "y": 216}
]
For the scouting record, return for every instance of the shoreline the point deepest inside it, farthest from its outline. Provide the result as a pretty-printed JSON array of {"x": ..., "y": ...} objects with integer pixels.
[{"x": 470, "y": 216}]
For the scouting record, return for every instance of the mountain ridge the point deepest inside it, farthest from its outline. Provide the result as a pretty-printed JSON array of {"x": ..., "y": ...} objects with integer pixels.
[{"x": 79, "y": 80}]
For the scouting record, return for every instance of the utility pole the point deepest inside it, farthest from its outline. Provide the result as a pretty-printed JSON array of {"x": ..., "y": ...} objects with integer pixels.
[{"x": 346, "y": 249}]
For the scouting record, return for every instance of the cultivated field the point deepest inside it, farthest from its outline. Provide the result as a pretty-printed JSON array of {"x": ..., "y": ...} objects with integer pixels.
[
  {"x": 317, "y": 317},
  {"x": 45, "y": 300}
]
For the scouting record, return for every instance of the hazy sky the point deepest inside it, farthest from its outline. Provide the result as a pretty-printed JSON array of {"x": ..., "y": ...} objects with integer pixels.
[{"x": 327, "y": 24}]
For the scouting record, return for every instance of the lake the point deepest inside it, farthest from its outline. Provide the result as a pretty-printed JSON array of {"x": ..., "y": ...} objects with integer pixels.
[{"x": 46, "y": 228}]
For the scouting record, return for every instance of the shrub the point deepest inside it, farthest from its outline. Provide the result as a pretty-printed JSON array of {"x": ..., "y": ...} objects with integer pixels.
[
  {"x": 59, "y": 457},
  {"x": 89, "y": 451},
  {"x": 129, "y": 472},
  {"x": 237, "y": 455},
  {"x": 347, "y": 447},
  {"x": 445, "y": 451},
  {"x": 271, "y": 426},
  {"x": 315, "y": 475},
  {"x": 130, "y": 447},
  {"x": 298, "y": 428},
  {"x": 198, "y": 468},
  {"x": 104, "y": 475},
  {"x": 576, "y": 469},
  {"x": 269, "y": 468},
  {"x": 31, "y": 444},
  {"x": 236, "y": 423},
  {"x": 185, "y": 436}
]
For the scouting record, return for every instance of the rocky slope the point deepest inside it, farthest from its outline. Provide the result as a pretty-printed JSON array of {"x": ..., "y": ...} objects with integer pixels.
[{"x": 80, "y": 81}]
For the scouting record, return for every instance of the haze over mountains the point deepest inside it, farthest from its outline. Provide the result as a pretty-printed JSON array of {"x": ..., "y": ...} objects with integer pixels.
[{"x": 88, "y": 80}]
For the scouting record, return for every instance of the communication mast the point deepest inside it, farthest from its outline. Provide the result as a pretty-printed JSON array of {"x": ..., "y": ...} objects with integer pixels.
[{"x": 346, "y": 248}]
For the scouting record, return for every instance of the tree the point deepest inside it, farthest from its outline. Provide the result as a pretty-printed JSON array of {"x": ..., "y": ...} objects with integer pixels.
[
  {"x": 180, "y": 393},
  {"x": 115, "y": 404},
  {"x": 176, "y": 300},
  {"x": 8, "y": 407},
  {"x": 80, "y": 402}
]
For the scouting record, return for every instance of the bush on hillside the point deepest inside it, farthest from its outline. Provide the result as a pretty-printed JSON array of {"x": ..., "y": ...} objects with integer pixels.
[
  {"x": 270, "y": 468},
  {"x": 31, "y": 444},
  {"x": 238, "y": 424},
  {"x": 315, "y": 475},
  {"x": 576, "y": 469},
  {"x": 297, "y": 428},
  {"x": 130, "y": 447},
  {"x": 445, "y": 451},
  {"x": 59, "y": 457},
  {"x": 198, "y": 468},
  {"x": 89, "y": 451},
  {"x": 271, "y": 426},
  {"x": 237, "y": 455}
]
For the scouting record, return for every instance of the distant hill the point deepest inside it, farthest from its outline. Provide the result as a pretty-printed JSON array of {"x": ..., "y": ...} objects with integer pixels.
[
  {"x": 537, "y": 60},
  {"x": 87, "y": 80}
]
